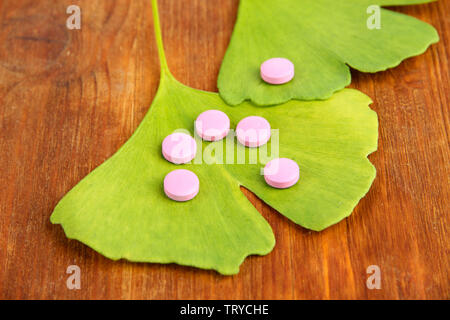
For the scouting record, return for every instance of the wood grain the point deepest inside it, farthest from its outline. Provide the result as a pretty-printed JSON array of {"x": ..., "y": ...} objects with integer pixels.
[{"x": 70, "y": 99}]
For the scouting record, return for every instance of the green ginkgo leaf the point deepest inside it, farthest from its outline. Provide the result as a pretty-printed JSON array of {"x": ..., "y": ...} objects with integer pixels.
[
  {"x": 121, "y": 211},
  {"x": 322, "y": 38}
]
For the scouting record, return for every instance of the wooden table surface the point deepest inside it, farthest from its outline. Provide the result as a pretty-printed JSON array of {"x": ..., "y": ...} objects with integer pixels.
[{"x": 70, "y": 98}]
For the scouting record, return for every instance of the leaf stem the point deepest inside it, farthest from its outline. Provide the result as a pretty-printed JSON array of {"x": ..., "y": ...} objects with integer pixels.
[{"x": 159, "y": 42}]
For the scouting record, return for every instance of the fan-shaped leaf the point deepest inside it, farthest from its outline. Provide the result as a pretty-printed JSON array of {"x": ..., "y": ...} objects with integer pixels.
[{"x": 322, "y": 38}]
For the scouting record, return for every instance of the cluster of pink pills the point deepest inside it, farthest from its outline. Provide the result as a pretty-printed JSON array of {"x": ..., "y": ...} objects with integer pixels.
[{"x": 214, "y": 125}]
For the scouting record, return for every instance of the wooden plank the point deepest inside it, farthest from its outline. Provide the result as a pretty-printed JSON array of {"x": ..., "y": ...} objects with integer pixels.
[{"x": 69, "y": 99}]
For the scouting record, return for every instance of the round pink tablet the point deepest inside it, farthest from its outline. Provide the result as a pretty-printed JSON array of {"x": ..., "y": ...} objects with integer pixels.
[
  {"x": 181, "y": 185},
  {"x": 277, "y": 70},
  {"x": 253, "y": 131},
  {"x": 212, "y": 125},
  {"x": 179, "y": 148},
  {"x": 281, "y": 173}
]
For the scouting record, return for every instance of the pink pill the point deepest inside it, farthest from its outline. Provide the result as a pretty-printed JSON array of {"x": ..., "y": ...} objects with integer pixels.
[
  {"x": 179, "y": 148},
  {"x": 181, "y": 185},
  {"x": 253, "y": 131},
  {"x": 277, "y": 70},
  {"x": 212, "y": 125},
  {"x": 281, "y": 173}
]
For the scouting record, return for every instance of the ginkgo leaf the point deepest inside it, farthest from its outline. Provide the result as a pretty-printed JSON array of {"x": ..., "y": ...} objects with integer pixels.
[
  {"x": 322, "y": 38},
  {"x": 121, "y": 211}
]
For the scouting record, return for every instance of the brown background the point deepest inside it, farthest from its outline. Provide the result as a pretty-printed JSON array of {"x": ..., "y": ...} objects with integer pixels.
[{"x": 69, "y": 99}]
